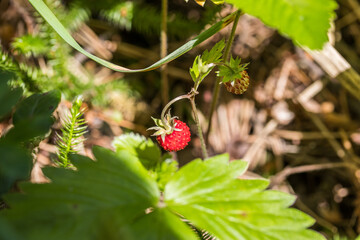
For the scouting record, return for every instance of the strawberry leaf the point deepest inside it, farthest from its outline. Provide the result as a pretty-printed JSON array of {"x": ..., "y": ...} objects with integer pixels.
[
  {"x": 215, "y": 54},
  {"x": 233, "y": 70},
  {"x": 307, "y": 21},
  {"x": 113, "y": 197},
  {"x": 165, "y": 170},
  {"x": 209, "y": 194},
  {"x": 140, "y": 147},
  {"x": 82, "y": 204},
  {"x": 163, "y": 225},
  {"x": 194, "y": 70},
  {"x": 203, "y": 64}
]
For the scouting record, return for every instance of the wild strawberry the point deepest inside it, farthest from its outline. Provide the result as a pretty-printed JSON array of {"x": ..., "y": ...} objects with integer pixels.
[
  {"x": 171, "y": 134},
  {"x": 239, "y": 85}
]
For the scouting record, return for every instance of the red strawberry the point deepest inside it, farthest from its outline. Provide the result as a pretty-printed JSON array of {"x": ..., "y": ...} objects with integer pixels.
[
  {"x": 172, "y": 134},
  {"x": 178, "y": 139},
  {"x": 238, "y": 86}
]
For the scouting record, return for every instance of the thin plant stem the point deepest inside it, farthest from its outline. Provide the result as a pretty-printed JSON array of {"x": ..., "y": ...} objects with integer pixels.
[
  {"x": 218, "y": 79},
  {"x": 191, "y": 97},
  {"x": 163, "y": 52},
  {"x": 170, "y": 103},
  {"x": 196, "y": 118}
]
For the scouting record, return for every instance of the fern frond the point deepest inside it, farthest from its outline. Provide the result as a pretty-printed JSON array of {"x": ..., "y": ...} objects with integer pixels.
[{"x": 74, "y": 127}]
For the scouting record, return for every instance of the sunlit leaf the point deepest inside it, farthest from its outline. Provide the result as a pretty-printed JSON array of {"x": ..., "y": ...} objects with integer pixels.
[
  {"x": 209, "y": 194},
  {"x": 140, "y": 147},
  {"x": 305, "y": 21},
  {"x": 203, "y": 64},
  {"x": 161, "y": 225}
]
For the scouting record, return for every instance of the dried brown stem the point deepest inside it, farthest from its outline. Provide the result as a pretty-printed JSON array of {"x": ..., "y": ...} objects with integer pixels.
[{"x": 281, "y": 176}]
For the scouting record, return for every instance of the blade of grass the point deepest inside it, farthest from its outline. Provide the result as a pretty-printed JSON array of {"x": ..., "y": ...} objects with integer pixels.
[{"x": 49, "y": 16}]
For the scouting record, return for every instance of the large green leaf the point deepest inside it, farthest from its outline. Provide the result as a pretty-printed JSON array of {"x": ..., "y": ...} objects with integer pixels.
[
  {"x": 8, "y": 96},
  {"x": 15, "y": 164},
  {"x": 162, "y": 168},
  {"x": 210, "y": 196},
  {"x": 37, "y": 104},
  {"x": 305, "y": 21},
  {"x": 49, "y": 16},
  {"x": 110, "y": 198},
  {"x": 79, "y": 204},
  {"x": 7, "y": 232},
  {"x": 142, "y": 148},
  {"x": 161, "y": 225}
]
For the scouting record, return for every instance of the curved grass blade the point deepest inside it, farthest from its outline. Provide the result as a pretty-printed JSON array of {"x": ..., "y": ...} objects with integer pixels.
[{"x": 49, "y": 16}]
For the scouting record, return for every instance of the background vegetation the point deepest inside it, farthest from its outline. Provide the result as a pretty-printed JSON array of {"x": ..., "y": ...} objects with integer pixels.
[{"x": 297, "y": 125}]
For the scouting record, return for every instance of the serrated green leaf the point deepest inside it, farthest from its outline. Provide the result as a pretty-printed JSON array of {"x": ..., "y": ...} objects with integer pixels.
[
  {"x": 206, "y": 177},
  {"x": 15, "y": 164},
  {"x": 49, "y": 16},
  {"x": 214, "y": 54},
  {"x": 163, "y": 225},
  {"x": 144, "y": 149},
  {"x": 81, "y": 204},
  {"x": 203, "y": 64},
  {"x": 200, "y": 70},
  {"x": 165, "y": 171},
  {"x": 8, "y": 96},
  {"x": 37, "y": 104},
  {"x": 194, "y": 70},
  {"x": 209, "y": 194},
  {"x": 233, "y": 70},
  {"x": 305, "y": 21}
]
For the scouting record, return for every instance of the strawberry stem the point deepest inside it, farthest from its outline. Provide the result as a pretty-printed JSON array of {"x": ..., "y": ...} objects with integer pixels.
[
  {"x": 163, "y": 113},
  {"x": 191, "y": 96},
  {"x": 225, "y": 59},
  {"x": 196, "y": 118}
]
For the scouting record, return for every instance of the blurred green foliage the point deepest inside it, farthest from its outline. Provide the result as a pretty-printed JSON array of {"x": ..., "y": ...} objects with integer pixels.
[{"x": 32, "y": 120}]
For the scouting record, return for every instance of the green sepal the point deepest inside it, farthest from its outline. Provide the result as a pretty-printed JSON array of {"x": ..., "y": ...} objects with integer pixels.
[
  {"x": 203, "y": 64},
  {"x": 233, "y": 70}
]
